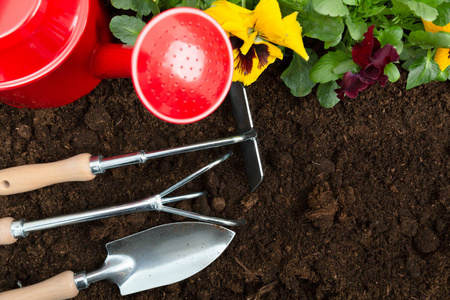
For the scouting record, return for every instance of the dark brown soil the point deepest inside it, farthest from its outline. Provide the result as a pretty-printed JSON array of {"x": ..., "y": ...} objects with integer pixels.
[{"x": 354, "y": 203}]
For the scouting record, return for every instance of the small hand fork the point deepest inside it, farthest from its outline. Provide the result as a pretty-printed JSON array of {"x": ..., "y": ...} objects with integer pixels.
[{"x": 11, "y": 230}]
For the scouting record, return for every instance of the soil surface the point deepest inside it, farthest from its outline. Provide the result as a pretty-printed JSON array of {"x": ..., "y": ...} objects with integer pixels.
[{"x": 354, "y": 203}]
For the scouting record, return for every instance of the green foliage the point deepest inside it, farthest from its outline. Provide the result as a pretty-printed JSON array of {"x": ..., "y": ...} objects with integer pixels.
[
  {"x": 326, "y": 94},
  {"x": 422, "y": 70},
  {"x": 392, "y": 72},
  {"x": 321, "y": 27},
  {"x": 127, "y": 28},
  {"x": 333, "y": 8},
  {"x": 296, "y": 76},
  {"x": 323, "y": 70},
  {"x": 340, "y": 24},
  {"x": 428, "y": 40}
]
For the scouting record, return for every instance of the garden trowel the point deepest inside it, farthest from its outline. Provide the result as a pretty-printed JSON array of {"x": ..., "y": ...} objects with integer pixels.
[{"x": 151, "y": 258}]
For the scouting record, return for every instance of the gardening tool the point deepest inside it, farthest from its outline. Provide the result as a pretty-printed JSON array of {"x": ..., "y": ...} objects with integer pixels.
[
  {"x": 11, "y": 230},
  {"x": 54, "y": 52},
  {"x": 152, "y": 258},
  {"x": 84, "y": 167}
]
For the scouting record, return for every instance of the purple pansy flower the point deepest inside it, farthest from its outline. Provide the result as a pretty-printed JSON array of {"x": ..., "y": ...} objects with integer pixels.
[{"x": 372, "y": 59}]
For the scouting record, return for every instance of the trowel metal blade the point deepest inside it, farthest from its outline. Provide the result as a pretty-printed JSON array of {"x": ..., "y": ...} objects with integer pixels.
[
  {"x": 244, "y": 123},
  {"x": 164, "y": 254}
]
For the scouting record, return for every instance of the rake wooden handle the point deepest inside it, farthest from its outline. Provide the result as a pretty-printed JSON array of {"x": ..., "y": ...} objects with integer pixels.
[
  {"x": 31, "y": 177},
  {"x": 61, "y": 286}
]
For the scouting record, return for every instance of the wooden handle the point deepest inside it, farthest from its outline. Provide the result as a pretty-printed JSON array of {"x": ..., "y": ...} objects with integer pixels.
[
  {"x": 31, "y": 177},
  {"x": 6, "y": 237},
  {"x": 61, "y": 286}
]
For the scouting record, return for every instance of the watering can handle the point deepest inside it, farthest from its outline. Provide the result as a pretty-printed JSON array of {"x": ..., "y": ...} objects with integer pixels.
[
  {"x": 61, "y": 286},
  {"x": 31, "y": 177}
]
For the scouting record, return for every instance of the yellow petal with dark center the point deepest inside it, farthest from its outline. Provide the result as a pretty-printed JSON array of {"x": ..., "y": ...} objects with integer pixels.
[
  {"x": 442, "y": 58},
  {"x": 247, "y": 68},
  {"x": 274, "y": 51},
  {"x": 248, "y": 43}
]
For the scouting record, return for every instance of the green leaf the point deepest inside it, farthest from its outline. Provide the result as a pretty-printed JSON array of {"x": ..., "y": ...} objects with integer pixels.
[
  {"x": 189, "y": 3},
  {"x": 351, "y": 2},
  {"x": 370, "y": 11},
  {"x": 428, "y": 40},
  {"x": 333, "y": 8},
  {"x": 329, "y": 44},
  {"x": 140, "y": 6},
  {"x": 391, "y": 71},
  {"x": 321, "y": 27},
  {"x": 393, "y": 36},
  {"x": 444, "y": 14},
  {"x": 287, "y": 7},
  {"x": 345, "y": 66},
  {"x": 296, "y": 76},
  {"x": 126, "y": 28},
  {"x": 422, "y": 70},
  {"x": 153, "y": 6},
  {"x": 326, "y": 95},
  {"x": 357, "y": 29},
  {"x": 413, "y": 54},
  {"x": 166, "y": 4},
  {"x": 322, "y": 71},
  {"x": 421, "y": 9},
  {"x": 443, "y": 75}
]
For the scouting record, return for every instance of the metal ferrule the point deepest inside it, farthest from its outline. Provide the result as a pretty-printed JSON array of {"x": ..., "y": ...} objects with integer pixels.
[
  {"x": 95, "y": 163},
  {"x": 81, "y": 281},
  {"x": 99, "y": 164},
  {"x": 17, "y": 229}
]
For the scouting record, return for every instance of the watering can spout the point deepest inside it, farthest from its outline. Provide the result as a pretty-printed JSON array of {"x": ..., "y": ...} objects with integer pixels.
[{"x": 112, "y": 61}]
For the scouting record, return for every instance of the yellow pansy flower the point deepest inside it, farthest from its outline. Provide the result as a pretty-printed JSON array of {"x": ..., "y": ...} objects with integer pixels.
[
  {"x": 442, "y": 57},
  {"x": 253, "y": 35}
]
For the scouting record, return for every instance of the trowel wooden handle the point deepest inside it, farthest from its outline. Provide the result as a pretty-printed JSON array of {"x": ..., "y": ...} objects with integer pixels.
[
  {"x": 61, "y": 286},
  {"x": 31, "y": 177}
]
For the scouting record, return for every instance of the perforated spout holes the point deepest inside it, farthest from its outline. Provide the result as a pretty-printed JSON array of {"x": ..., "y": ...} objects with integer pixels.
[{"x": 183, "y": 66}]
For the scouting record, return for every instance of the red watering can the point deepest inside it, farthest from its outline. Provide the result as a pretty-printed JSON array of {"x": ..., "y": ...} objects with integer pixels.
[{"x": 53, "y": 52}]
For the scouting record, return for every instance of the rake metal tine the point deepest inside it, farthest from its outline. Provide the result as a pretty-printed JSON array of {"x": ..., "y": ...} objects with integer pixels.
[
  {"x": 182, "y": 197},
  {"x": 196, "y": 216},
  {"x": 194, "y": 175}
]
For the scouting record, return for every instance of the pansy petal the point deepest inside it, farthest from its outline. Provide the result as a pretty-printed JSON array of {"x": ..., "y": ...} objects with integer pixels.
[
  {"x": 233, "y": 9},
  {"x": 267, "y": 20},
  {"x": 442, "y": 58},
  {"x": 274, "y": 50},
  {"x": 247, "y": 68},
  {"x": 362, "y": 52},
  {"x": 230, "y": 7},
  {"x": 385, "y": 55},
  {"x": 370, "y": 73},
  {"x": 351, "y": 85},
  {"x": 429, "y": 26},
  {"x": 293, "y": 35},
  {"x": 248, "y": 43},
  {"x": 233, "y": 19}
]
